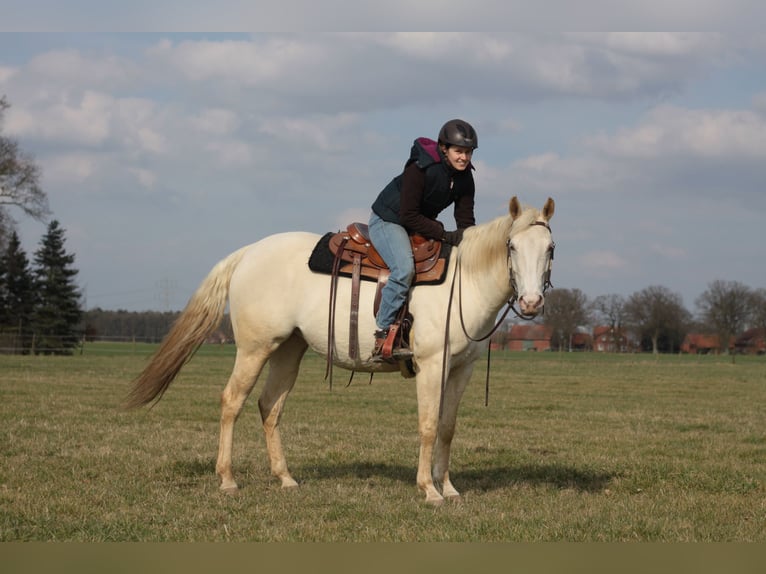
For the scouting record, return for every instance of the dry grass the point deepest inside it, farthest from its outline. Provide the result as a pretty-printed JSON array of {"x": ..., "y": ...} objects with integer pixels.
[{"x": 576, "y": 447}]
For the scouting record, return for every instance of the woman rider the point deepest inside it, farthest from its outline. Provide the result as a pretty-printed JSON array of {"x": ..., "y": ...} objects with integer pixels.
[{"x": 436, "y": 175}]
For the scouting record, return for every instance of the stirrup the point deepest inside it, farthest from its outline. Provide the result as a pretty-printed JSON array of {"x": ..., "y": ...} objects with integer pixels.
[
  {"x": 380, "y": 340},
  {"x": 385, "y": 345}
]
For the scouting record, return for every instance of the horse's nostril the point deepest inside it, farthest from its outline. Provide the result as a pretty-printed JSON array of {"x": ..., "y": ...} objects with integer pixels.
[{"x": 531, "y": 302}]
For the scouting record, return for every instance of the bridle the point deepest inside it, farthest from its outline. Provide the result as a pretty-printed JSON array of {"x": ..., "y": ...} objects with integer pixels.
[
  {"x": 512, "y": 281},
  {"x": 514, "y": 291},
  {"x": 510, "y": 305}
]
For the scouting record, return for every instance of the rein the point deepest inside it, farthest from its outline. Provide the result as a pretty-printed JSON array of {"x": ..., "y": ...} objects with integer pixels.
[{"x": 458, "y": 276}]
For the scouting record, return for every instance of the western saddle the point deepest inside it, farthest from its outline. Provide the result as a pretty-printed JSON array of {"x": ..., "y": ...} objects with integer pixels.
[{"x": 356, "y": 256}]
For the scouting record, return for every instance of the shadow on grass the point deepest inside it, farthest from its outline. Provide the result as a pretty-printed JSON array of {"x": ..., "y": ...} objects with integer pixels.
[
  {"x": 481, "y": 479},
  {"x": 485, "y": 479},
  {"x": 551, "y": 474},
  {"x": 193, "y": 468}
]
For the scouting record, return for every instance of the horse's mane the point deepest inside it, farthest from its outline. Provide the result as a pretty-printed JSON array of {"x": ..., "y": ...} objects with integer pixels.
[{"x": 482, "y": 244}]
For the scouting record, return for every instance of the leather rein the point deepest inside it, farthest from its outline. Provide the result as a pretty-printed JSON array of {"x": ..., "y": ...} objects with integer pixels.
[{"x": 458, "y": 277}]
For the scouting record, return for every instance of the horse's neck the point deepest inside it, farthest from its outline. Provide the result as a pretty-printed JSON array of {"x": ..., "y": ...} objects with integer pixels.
[{"x": 484, "y": 274}]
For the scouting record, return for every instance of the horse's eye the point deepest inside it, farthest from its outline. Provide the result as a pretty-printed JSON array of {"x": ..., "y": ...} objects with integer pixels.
[{"x": 511, "y": 247}]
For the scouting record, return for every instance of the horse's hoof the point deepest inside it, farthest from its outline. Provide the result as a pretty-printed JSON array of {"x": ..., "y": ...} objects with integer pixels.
[
  {"x": 289, "y": 483},
  {"x": 434, "y": 501},
  {"x": 230, "y": 490},
  {"x": 454, "y": 499}
]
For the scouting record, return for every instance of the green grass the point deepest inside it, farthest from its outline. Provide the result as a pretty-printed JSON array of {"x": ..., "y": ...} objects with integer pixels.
[{"x": 576, "y": 447}]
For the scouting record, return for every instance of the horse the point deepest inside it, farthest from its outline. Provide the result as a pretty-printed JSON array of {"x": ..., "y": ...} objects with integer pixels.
[{"x": 276, "y": 302}]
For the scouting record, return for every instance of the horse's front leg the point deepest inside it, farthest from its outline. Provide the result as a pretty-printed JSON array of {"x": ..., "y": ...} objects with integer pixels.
[
  {"x": 428, "y": 392},
  {"x": 456, "y": 384}
]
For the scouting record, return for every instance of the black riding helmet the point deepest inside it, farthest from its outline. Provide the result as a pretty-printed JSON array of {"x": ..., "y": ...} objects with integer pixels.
[{"x": 459, "y": 133}]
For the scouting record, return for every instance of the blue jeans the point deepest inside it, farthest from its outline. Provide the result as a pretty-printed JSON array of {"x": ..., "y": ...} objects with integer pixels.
[{"x": 393, "y": 244}]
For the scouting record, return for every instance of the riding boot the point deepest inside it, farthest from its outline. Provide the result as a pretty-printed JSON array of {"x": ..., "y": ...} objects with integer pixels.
[
  {"x": 388, "y": 344},
  {"x": 380, "y": 341}
]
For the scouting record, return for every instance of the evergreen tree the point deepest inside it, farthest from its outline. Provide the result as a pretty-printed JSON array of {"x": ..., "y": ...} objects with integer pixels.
[
  {"x": 17, "y": 296},
  {"x": 57, "y": 310}
]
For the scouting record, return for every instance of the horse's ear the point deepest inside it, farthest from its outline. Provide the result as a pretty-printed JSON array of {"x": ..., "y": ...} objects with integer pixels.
[
  {"x": 514, "y": 208},
  {"x": 548, "y": 209}
]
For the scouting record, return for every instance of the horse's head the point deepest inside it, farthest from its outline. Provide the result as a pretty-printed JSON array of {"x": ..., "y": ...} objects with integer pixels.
[{"x": 530, "y": 255}]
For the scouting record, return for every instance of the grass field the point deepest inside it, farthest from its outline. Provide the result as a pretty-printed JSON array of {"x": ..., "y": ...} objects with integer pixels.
[{"x": 575, "y": 447}]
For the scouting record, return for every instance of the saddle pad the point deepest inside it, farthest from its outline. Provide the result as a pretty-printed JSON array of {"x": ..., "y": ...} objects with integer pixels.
[{"x": 322, "y": 258}]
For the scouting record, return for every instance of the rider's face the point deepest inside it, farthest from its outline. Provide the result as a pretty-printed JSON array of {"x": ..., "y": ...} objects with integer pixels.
[{"x": 458, "y": 157}]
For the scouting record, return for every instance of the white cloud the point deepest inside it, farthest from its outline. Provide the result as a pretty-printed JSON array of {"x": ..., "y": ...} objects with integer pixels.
[
  {"x": 663, "y": 44},
  {"x": 322, "y": 132},
  {"x": 83, "y": 122},
  {"x": 672, "y": 252},
  {"x": 69, "y": 168},
  {"x": 230, "y": 152},
  {"x": 357, "y": 71},
  {"x": 600, "y": 260},
  {"x": 673, "y": 131},
  {"x": 145, "y": 177},
  {"x": 248, "y": 63},
  {"x": 6, "y": 73},
  {"x": 71, "y": 68},
  {"x": 422, "y": 45},
  {"x": 92, "y": 119},
  {"x": 216, "y": 122},
  {"x": 671, "y": 150},
  {"x": 554, "y": 174}
]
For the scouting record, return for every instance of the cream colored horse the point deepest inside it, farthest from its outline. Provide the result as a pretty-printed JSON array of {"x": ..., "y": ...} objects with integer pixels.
[{"x": 279, "y": 308}]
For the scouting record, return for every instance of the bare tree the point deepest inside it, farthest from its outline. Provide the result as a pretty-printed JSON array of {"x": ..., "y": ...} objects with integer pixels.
[
  {"x": 19, "y": 181},
  {"x": 725, "y": 308},
  {"x": 565, "y": 310},
  {"x": 758, "y": 309},
  {"x": 6, "y": 229},
  {"x": 657, "y": 313},
  {"x": 609, "y": 310}
]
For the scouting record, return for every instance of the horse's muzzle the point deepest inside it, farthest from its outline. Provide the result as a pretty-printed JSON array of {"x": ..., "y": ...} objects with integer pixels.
[{"x": 531, "y": 305}]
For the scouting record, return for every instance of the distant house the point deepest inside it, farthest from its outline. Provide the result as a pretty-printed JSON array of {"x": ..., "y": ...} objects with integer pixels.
[
  {"x": 607, "y": 339},
  {"x": 217, "y": 337},
  {"x": 701, "y": 344},
  {"x": 530, "y": 338},
  {"x": 581, "y": 341},
  {"x": 751, "y": 342}
]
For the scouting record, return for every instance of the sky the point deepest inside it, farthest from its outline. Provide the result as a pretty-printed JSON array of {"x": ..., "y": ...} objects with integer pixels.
[{"x": 161, "y": 153}]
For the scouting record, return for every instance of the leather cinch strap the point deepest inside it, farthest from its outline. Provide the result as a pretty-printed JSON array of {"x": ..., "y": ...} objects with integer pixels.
[
  {"x": 331, "y": 319},
  {"x": 353, "y": 326}
]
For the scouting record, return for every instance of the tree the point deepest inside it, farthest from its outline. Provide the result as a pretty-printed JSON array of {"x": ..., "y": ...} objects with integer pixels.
[
  {"x": 6, "y": 228},
  {"x": 658, "y": 315},
  {"x": 19, "y": 182},
  {"x": 609, "y": 310},
  {"x": 17, "y": 296},
  {"x": 758, "y": 309},
  {"x": 725, "y": 308},
  {"x": 565, "y": 311},
  {"x": 58, "y": 312}
]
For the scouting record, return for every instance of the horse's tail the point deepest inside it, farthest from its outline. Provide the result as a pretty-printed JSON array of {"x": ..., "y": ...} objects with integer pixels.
[{"x": 202, "y": 314}]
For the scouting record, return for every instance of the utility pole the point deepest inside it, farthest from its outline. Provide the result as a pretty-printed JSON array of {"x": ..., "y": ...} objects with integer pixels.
[{"x": 165, "y": 291}]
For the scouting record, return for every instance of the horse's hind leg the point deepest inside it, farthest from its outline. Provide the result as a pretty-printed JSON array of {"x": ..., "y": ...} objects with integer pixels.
[
  {"x": 283, "y": 370},
  {"x": 247, "y": 367}
]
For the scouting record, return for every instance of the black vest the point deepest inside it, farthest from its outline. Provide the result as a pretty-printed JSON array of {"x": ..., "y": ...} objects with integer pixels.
[{"x": 443, "y": 184}]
